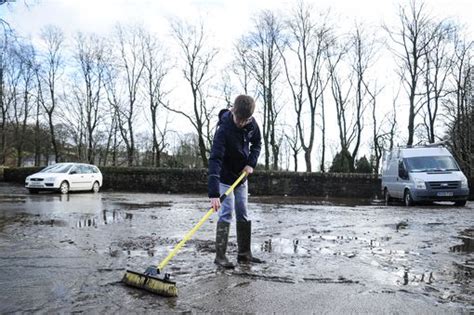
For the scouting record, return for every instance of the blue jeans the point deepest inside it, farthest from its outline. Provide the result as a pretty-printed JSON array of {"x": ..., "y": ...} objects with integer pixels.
[{"x": 236, "y": 200}]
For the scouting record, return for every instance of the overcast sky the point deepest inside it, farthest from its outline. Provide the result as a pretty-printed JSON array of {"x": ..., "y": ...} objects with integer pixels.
[{"x": 226, "y": 19}]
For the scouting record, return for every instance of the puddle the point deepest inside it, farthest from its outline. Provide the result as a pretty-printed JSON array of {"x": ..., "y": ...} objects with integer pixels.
[
  {"x": 144, "y": 243},
  {"x": 320, "y": 201},
  {"x": 52, "y": 222},
  {"x": 466, "y": 269},
  {"x": 148, "y": 205},
  {"x": 9, "y": 199},
  {"x": 107, "y": 217},
  {"x": 283, "y": 246},
  {"x": 466, "y": 247},
  {"x": 264, "y": 277},
  {"x": 467, "y": 237},
  {"x": 412, "y": 278},
  {"x": 307, "y": 243}
]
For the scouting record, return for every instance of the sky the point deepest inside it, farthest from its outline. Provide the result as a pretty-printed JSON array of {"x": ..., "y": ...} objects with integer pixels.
[{"x": 226, "y": 20}]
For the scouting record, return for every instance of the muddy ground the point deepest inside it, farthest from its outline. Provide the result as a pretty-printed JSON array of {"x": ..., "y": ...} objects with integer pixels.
[{"x": 68, "y": 253}]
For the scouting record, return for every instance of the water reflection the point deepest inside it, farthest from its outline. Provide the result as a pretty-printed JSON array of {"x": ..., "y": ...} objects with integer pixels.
[
  {"x": 281, "y": 245},
  {"x": 467, "y": 246},
  {"x": 107, "y": 217},
  {"x": 412, "y": 278}
]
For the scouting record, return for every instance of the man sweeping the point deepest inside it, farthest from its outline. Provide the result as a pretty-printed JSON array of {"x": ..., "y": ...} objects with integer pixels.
[{"x": 235, "y": 149}]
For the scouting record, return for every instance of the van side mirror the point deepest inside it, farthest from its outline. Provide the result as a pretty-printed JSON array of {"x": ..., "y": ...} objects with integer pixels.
[{"x": 73, "y": 172}]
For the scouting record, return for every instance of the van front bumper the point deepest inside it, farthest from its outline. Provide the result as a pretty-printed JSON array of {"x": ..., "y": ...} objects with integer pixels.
[{"x": 440, "y": 195}]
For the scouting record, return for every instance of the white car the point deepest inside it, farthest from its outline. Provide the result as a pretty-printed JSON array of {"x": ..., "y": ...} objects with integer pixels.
[{"x": 65, "y": 177}]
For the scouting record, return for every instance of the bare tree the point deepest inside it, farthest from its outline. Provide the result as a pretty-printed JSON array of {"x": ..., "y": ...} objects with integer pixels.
[
  {"x": 48, "y": 77},
  {"x": 193, "y": 43},
  {"x": 259, "y": 50},
  {"x": 459, "y": 107},
  {"x": 414, "y": 35},
  {"x": 377, "y": 137},
  {"x": 341, "y": 88},
  {"x": 74, "y": 118},
  {"x": 116, "y": 105},
  {"x": 348, "y": 65},
  {"x": 307, "y": 43},
  {"x": 292, "y": 139},
  {"x": 438, "y": 62},
  {"x": 90, "y": 56},
  {"x": 130, "y": 63},
  {"x": 26, "y": 55},
  {"x": 111, "y": 138},
  {"x": 240, "y": 65},
  {"x": 362, "y": 55},
  {"x": 6, "y": 95},
  {"x": 156, "y": 69},
  {"x": 322, "y": 167}
]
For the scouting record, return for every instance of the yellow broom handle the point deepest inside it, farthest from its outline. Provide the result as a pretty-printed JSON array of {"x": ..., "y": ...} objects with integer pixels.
[{"x": 198, "y": 225}]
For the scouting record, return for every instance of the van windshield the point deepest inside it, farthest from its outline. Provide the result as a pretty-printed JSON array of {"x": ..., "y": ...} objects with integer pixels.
[
  {"x": 431, "y": 164},
  {"x": 57, "y": 168}
]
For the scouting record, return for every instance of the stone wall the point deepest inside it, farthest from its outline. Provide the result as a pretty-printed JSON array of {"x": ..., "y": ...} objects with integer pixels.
[
  {"x": 195, "y": 181},
  {"x": 261, "y": 182}
]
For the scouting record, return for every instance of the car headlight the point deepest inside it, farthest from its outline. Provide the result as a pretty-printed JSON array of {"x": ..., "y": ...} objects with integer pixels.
[
  {"x": 50, "y": 179},
  {"x": 419, "y": 184},
  {"x": 464, "y": 183},
  {"x": 27, "y": 179}
]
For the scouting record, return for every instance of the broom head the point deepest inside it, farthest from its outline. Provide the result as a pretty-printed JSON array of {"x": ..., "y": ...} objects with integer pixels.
[{"x": 151, "y": 282}]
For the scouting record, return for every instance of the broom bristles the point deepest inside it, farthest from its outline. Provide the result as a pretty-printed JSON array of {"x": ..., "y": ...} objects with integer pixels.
[{"x": 150, "y": 283}]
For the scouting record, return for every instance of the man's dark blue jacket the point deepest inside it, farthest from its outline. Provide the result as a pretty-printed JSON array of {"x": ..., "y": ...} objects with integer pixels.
[{"x": 233, "y": 148}]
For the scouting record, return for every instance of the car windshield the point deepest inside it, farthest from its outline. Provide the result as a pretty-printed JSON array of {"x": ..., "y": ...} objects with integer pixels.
[
  {"x": 431, "y": 164},
  {"x": 57, "y": 168}
]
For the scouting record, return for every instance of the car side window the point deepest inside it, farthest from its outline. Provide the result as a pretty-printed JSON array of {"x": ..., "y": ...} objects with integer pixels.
[
  {"x": 85, "y": 169},
  {"x": 74, "y": 170}
]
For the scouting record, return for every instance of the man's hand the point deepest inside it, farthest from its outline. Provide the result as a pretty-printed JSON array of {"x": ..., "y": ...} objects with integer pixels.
[
  {"x": 215, "y": 203},
  {"x": 248, "y": 169}
]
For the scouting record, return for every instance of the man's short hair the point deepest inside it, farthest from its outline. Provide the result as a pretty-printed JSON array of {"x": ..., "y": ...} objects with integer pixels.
[{"x": 244, "y": 106}]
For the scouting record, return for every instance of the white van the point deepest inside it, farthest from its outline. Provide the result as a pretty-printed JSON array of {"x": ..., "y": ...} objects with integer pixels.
[{"x": 425, "y": 173}]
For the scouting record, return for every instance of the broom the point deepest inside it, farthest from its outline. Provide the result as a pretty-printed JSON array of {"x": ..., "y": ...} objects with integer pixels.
[{"x": 150, "y": 280}]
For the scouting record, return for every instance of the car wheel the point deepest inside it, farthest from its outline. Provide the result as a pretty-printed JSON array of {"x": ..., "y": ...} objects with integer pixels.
[
  {"x": 460, "y": 203},
  {"x": 64, "y": 188},
  {"x": 386, "y": 196},
  {"x": 96, "y": 187},
  {"x": 407, "y": 198},
  {"x": 33, "y": 191}
]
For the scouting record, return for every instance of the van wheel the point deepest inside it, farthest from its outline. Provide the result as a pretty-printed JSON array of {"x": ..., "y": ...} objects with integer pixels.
[
  {"x": 64, "y": 188},
  {"x": 460, "y": 203},
  {"x": 407, "y": 199},
  {"x": 386, "y": 196}
]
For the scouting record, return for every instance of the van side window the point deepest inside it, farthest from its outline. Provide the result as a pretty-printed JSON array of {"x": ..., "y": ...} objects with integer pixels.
[{"x": 402, "y": 172}]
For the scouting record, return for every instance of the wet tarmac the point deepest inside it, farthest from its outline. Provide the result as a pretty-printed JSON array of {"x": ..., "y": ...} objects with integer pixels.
[{"x": 68, "y": 253}]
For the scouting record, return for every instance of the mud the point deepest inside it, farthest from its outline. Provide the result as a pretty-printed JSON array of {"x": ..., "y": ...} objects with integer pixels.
[{"x": 68, "y": 253}]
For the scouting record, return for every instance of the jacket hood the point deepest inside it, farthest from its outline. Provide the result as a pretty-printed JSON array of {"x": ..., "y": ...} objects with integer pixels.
[{"x": 226, "y": 118}]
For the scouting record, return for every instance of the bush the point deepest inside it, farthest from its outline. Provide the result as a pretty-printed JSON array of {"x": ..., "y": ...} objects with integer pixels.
[
  {"x": 363, "y": 166},
  {"x": 342, "y": 163}
]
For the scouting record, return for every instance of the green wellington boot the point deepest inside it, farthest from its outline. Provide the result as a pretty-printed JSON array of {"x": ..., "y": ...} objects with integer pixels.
[
  {"x": 222, "y": 235},
  {"x": 244, "y": 231}
]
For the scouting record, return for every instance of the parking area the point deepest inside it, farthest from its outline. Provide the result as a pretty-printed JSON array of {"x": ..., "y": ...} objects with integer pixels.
[{"x": 68, "y": 253}]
